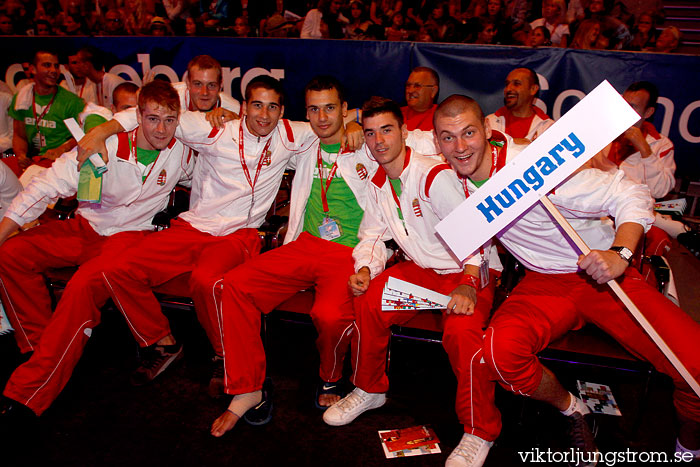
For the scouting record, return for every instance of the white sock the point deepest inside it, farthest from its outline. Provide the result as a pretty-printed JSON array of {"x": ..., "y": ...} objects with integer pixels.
[
  {"x": 576, "y": 405},
  {"x": 241, "y": 403},
  {"x": 681, "y": 448}
]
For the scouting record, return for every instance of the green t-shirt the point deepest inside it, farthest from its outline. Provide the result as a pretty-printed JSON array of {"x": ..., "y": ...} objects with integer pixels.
[
  {"x": 93, "y": 120},
  {"x": 342, "y": 204},
  {"x": 396, "y": 185},
  {"x": 145, "y": 157},
  {"x": 65, "y": 105},
  {"x": 480, "y": 182}
]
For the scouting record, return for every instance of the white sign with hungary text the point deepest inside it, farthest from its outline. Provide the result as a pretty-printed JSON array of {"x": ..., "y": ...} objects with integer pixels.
[{"x": 575, "y": 138}]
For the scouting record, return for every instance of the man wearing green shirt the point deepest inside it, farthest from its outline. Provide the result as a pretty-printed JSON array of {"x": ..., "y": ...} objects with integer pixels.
[
  {"x": 39, "y": 111},
  {"x": 327, "y": 204}
]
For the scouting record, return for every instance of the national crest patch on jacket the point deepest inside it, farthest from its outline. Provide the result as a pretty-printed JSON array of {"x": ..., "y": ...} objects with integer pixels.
[
  {"x": 267, "y": 158},
  {"x": 361, "y": 171},
  {"x": 162, "y": 178},
  {"x": 416, "y": 208}
]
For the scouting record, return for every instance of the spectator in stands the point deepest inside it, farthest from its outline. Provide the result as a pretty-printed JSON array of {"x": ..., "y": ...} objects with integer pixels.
[
  {"x": 324, "y": 21},
  {"x": 381, "y": 11},
  {"x": 136, "y": 19},
  {"x": 397, "y": 31},
  {"x": 639, "y": 7},
  {"x": 113, "y": 23},
  {"x": 73, "y": 25},
  {"x": 417, "y": 11},
  {"x": 160, "y": 27},
  {"x": 94, "y": 68},
  {"x": 668, "y": 41},
  {"x": 539, "y": 37},
  {"x": 39, "y": 110},
  {"x": 554, "y": 19},
  {"x": 422, "y": 88},
  {"x": 587, "y": 35},
  {"x": 240, "y": 27},
  {"x": 18, "y": 12},
  {"x": 519, "y": 118},
  {"x": 214, "y": 13},
  {"x": 97, "y": 235},
  {"x": 6, "y": 28},
  {"x": 328, "y": 200},
  {"x": 644, "y": 32},
  {"x": 359, "y": 21},
  {"x": 613, "y": 29},
  {"x": 518, "y": 11},
  {"x": 42, "y": 27},
  {"x": 443, "y": 28},
  {"x": 495, "y": 11},
  {"x": 424, "y": 35},
  {"x": 192, "y": 27},
  {"x": 487, "y": 31}
]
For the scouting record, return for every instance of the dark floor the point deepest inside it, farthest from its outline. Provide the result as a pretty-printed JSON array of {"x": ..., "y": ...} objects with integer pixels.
[{"x": 99, "y": 419}]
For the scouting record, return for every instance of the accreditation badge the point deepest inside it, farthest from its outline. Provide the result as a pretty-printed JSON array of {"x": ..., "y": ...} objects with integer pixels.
[
  {"x": 39, "y": 140},
  {"x": 329, "y": 229},
  {"x": 484, "y": 270}
]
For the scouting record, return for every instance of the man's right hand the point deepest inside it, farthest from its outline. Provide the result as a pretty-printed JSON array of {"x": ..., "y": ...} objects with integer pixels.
[
  {"x": 218, "y": 117},
  {"x": 359, "y": 282}
]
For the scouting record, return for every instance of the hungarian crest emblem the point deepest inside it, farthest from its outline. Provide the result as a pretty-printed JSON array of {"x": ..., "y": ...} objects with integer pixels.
[
  {"x": 361, "y": 171},
  {"x": 416, "y": 208},
  {"x": 162, "y": 177}
]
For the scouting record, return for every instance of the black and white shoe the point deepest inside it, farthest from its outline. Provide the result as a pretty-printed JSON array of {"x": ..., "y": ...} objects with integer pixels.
[
  {"x": 155, "y": 359},
  {"x": 261, "y": 414}
]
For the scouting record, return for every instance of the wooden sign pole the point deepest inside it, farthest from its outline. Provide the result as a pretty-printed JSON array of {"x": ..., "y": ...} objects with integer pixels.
[{"x": 578, "y": 241}]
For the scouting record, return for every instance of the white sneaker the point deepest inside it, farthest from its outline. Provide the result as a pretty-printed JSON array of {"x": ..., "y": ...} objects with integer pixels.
[
  {"x": 352, "y": 406},
  {"x": 470, "y": 452}
]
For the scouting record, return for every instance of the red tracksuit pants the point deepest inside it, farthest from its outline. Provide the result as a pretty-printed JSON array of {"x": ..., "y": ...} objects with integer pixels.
[
  {"x": 462, "y": 339},
  {"x": 543, "y": 307},
  {"x": 57, "y": 338},
  {"x": 258, "y": 286},
  {"x": 166, "y": 255}
]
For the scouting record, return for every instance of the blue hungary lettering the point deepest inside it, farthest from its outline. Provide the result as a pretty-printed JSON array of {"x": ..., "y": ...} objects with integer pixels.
[{"x": 532, "y": 178}]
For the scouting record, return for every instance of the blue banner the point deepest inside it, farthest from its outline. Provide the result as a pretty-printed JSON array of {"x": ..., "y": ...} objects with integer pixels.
[{"x": 380, "y": 68}]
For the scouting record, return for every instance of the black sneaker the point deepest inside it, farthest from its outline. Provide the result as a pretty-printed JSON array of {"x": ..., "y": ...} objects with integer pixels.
[
  {"x": 261, "y": 414},
  {"x": 216, "y": 383},
  {"x": 155, "y": 359},
  {"x": 582, "y": 432}
]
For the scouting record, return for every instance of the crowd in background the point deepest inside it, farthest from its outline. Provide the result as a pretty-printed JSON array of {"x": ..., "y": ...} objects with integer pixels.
[{"x": 581, "y": 24}]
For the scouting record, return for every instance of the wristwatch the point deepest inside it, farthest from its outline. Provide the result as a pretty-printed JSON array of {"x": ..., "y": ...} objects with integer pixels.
[{"x": 624, "y": 252}]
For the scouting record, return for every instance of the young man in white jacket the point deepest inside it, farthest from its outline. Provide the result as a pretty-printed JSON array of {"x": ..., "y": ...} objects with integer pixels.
[
  {"x": 144, "y": 167},
  {"x": 563, "y": 290},
  {"x": 408, "y": 196}
]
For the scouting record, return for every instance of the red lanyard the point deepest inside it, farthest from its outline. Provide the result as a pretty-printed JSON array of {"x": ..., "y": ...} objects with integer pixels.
[
  {"x": 46, "y": 110},
  {"x": 244, "y": 165},
  {"x": 136, "y": 157},
  {"x": 327, "y": 182}
]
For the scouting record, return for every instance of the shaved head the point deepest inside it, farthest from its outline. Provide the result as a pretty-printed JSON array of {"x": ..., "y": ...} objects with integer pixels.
[{"x": 458, "y": 104}]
